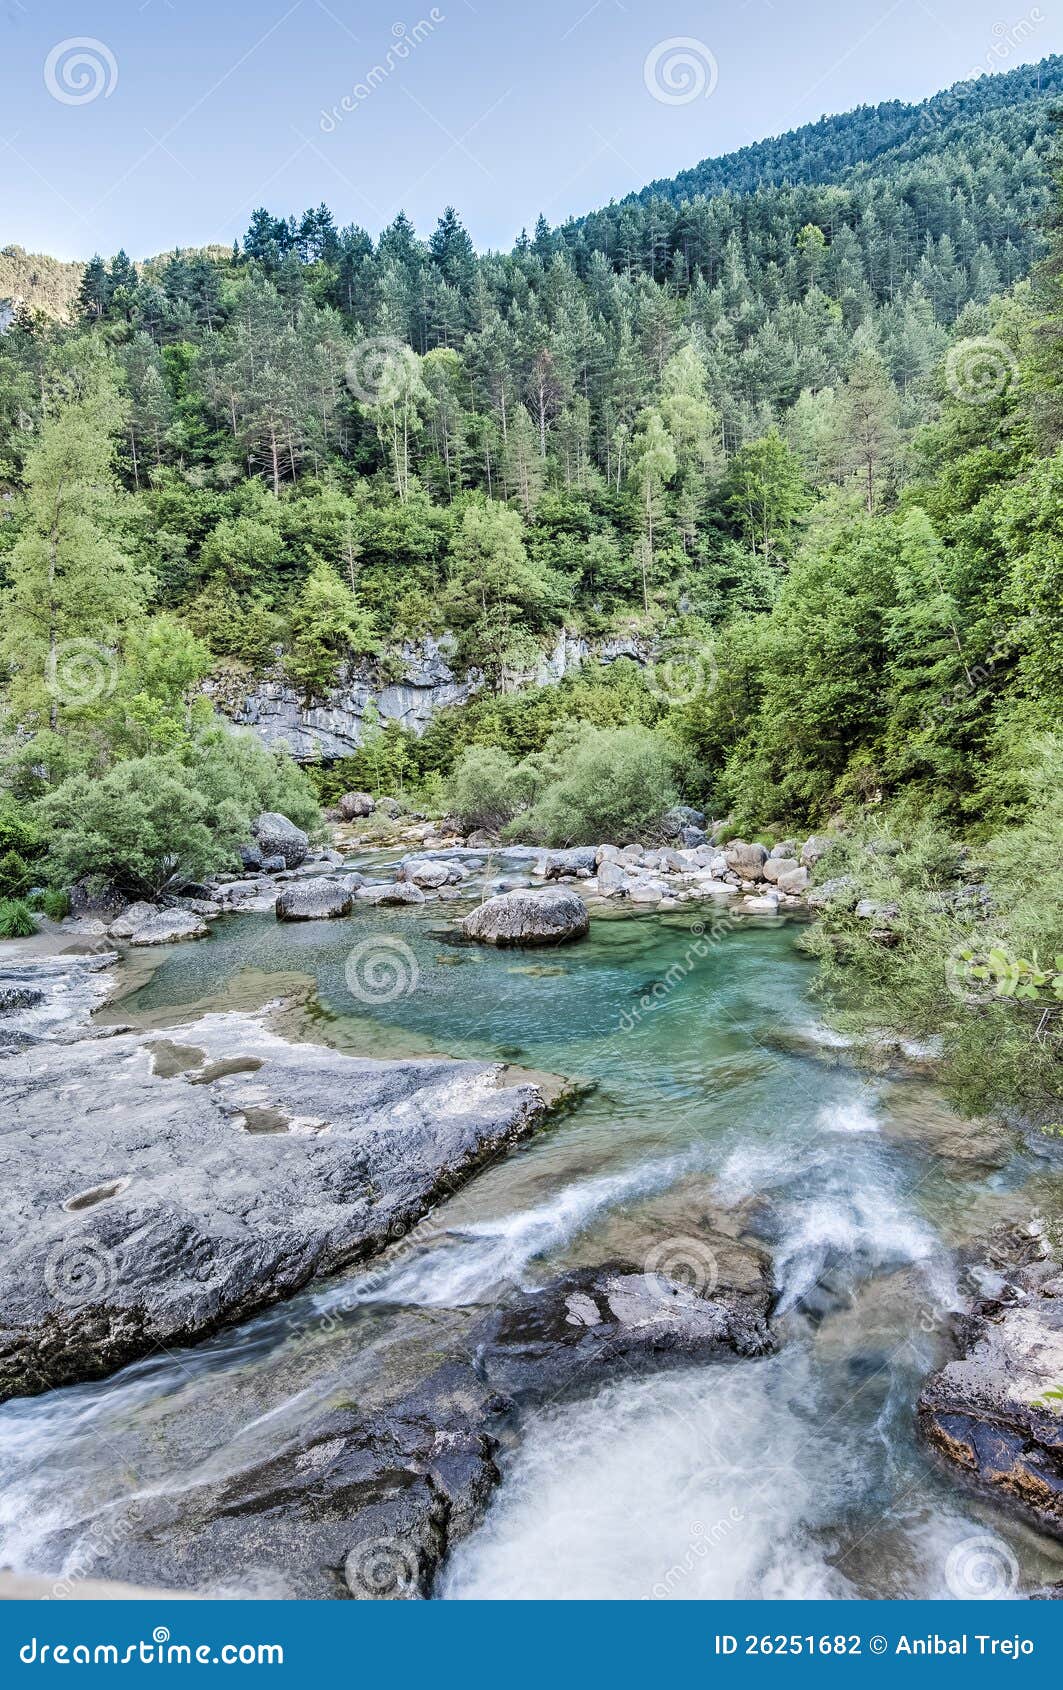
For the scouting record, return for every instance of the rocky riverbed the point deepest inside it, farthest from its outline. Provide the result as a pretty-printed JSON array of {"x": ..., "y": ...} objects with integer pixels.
[{"x": 472, "y": 1327}]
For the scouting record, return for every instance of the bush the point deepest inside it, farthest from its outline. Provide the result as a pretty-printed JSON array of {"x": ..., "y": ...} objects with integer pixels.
[
  {"x": 16, "y": 919},
  {"x": 957, "y": 959},
  {"x": 600, "y": 785},
  {"x": 487, "y": 789},
  {"x": 15, "y": 875}
]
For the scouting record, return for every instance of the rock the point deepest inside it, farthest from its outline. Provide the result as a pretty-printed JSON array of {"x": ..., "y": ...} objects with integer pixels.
[
  {"x": 786, "y": 848},
  {"x": 131, "y": 918},
  {"x": 533, "y": 917},
  {"x": 680, "y": 816},
  {"x": 692, "y": 836},
  {"x": 559, "y": 863},
  {"x": 843, "y": 892},
  {"x": 141, "y": 1210},
  {"x": 868, "y": 910},
  {"x": 389, "y": 807},
  {"x": 422, "y": 872},
  {"x": 646, "y": 891},
  {"x": 765, "y": 904},
  {"x": 747, "y": 861},
  {"x": 402, "y": 892},
  {"x": 168, "y": 927},
  {"x": 15, "y": 998},
  {"x": 94, "y": 896},
  {"x": 606, "y": 854},
  {"x": 581, "y": 1328},
  {"x": 987, "y": 1412},
  {"x": 352, "y": 880},
  {"x": 612, "y": 880},
  {"x": 481, "y": 839},
  {"x": 780, "y": 865},
  {"x": 816, "y": 848},
  {"x": 368, "y": 1501},
  {"x": 250, "y": 856},
  {"x": 329, "y": 856},
  {"x": 354, "y": 804},
  {"x": 84, "y": 926},
  {"x": 278, "y": 837},
  {"x": 793, "y": 880},
  {"x": 315, "y": 900}
]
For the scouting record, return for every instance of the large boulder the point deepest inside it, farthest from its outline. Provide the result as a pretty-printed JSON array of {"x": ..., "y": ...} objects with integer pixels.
[
  {"x": 278, "y": 837},
  {"x": 612, "y": 879},
  {"x": 991, "y": 1413},
  {"x": 779, "y": 865},
  {"x": 315, "y": 900},
  {"x": 815, "y": 849},
  {"x": 131, "y": 918},
  {"x": 423, "y": 871},
  {"x": 354, "y": 804},
  {"x": 579, "y": 860},
  {"x": 793, "y": 881},
  {"x": 681, "y": 816},
  {"x": 747, "y": 861},
  {"x": 548, "y": 917}
]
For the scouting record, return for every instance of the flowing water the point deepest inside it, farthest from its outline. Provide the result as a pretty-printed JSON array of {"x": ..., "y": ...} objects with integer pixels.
[{"x": 699, "y": 1116}]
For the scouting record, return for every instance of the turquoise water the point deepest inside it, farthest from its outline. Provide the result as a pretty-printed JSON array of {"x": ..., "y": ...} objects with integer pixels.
[{"x": 696, "y": 1123}]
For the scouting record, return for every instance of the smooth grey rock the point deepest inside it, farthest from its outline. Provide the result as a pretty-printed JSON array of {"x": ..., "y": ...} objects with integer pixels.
[
  {"x": 278, "y": 837},
  {"x": 250, "y": 856},
  {"x": 169, "y": 927},
  {"x": 679, "y": 817},
  {"x": 612, "y": 879},
  {"x": 422, "y": 872},
  {"x": 400, "y": 892},
  {"x": 842, "y": 892},
  {"x": 793, "y": 880},
  {"x": 785, "y": 848},
  {"x": 144, "y": 1210},
  {"x": 132, "y": 918},
  {"x": 315, "y": 900},
  {"x": 779, "y": 865},
  {"x": 534, "y": 917},
  {"x": 354, "y": 804},
  {"x": 745, "y": 860},
  {"x": 556, "y": 864}
]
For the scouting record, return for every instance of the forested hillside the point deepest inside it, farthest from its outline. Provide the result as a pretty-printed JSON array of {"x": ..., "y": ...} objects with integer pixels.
[{"x": 801, "y": 440}]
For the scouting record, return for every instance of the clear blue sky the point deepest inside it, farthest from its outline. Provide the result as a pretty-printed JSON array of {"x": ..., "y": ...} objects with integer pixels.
[{"x": 503, "y": 109}]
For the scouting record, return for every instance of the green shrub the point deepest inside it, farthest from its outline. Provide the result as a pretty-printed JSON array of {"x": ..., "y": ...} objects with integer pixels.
[
  {"x": 55, "y": 905},
  {"x": 599, "y": 785},
  {"x": 15, "y": 875},
  {"x": 16, "y": 919},
  {"x": 487, "y": 789}
]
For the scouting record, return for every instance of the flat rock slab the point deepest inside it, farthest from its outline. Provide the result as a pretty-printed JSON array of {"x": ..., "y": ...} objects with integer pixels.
[
  {"x": 528, "y": 918},
  {"x": 988, "y": 1412},
  {"x": 315, "y": 900},
  {"x": 159, "y": 1191}
]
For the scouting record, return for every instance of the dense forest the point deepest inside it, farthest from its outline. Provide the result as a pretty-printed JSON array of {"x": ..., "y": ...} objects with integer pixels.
[{"x": 791, "y": 420}]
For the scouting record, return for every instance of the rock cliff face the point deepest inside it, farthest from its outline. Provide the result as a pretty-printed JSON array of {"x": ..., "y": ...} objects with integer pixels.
[{"x": 335, "y": 728}]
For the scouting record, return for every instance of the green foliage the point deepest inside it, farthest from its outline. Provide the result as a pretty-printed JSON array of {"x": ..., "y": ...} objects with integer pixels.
[
  {"x": 487, "y": 789},
  {"x": 16, "y": 919},
  {"x": 327, "y": 626},
  {"x": 599, "y": 784}
]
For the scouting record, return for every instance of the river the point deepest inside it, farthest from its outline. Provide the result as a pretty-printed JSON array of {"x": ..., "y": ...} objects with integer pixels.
[{"x": 700, "y": 1113}]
